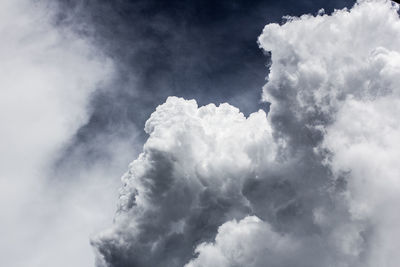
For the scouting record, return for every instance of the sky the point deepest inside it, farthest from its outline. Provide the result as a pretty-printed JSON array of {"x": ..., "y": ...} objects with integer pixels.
[{"x": 246, "y": 133}]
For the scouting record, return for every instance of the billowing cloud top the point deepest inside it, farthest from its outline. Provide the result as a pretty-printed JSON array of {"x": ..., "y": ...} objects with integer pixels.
[
  {"x": 187, "y": 182},
  {"x": 315, "y": 183}
]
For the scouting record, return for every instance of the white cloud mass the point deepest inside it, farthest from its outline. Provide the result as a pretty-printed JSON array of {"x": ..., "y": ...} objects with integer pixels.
[
  {"x": 47, "y": 76},
  {"x": 314, "y": 183}
]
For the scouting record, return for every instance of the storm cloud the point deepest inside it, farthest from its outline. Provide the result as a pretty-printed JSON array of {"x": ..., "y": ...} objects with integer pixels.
[{"x": 314, "y": 182}]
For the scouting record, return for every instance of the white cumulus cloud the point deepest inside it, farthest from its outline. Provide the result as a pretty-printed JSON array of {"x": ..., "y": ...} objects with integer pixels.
[
  {"x": 314, "y": 183},
  {"x": 187, "y": 181}
]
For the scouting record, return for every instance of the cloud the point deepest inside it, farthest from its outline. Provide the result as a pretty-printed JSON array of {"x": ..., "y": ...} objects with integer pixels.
[
  {"x": 337, "y": 76},
  {"x": 186, "y": 182},
  {"x": 314, "y": 183},
  {"x": 252, "y": 250},
  {"x": 48, "y": 75}
]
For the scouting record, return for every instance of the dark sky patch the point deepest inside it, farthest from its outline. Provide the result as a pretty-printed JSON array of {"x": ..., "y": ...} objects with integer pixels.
[{"x": 206, "y": 50}]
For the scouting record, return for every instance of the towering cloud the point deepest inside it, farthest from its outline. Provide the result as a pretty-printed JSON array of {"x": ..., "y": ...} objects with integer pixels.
[
  {"x": 314, "y": 183},
  {"x": 336, "y": 77},
  {"x": 187, "y": 182}
]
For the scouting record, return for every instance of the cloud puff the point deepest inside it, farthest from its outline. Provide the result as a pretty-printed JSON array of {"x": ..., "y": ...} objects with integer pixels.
[
  {"x": 318, "y": 62},
  {"x": 258, "y": 245},
  {"x": 315, "y": 183},
  {"x": 186, "y": 183}
]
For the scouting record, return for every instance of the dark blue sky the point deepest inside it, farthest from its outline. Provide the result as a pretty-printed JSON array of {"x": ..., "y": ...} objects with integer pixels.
[{"x": 199, "y": 49}]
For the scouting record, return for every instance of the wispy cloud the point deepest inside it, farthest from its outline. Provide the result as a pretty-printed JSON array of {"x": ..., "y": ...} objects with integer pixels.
[{"x": 48, "y": 75}]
